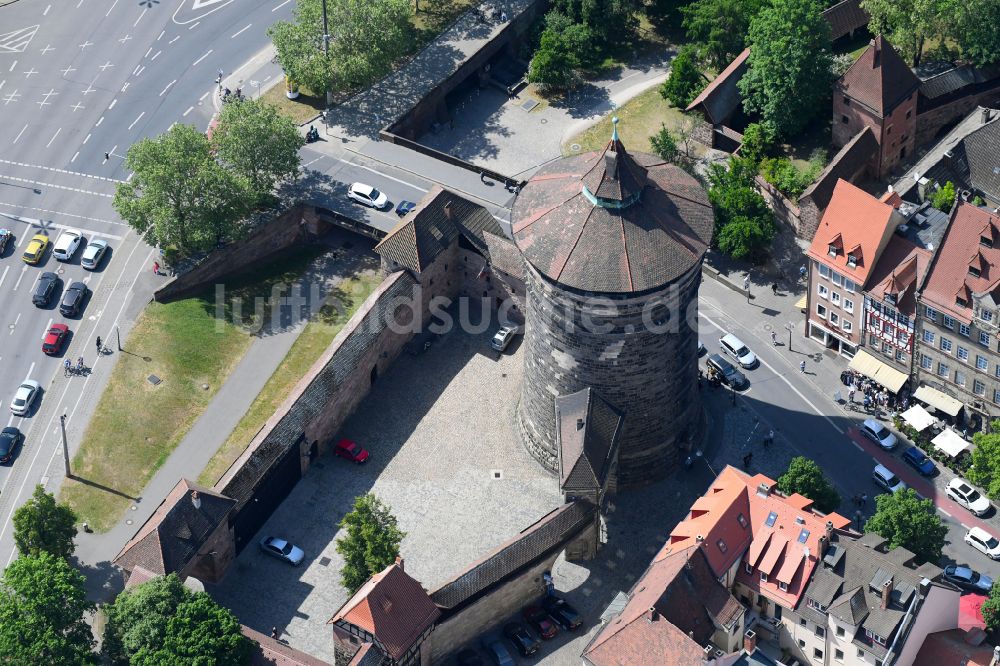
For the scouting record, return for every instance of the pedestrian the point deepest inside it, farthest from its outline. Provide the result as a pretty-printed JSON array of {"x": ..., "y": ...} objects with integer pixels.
[
  {"x": 856, "y": 499},
  {"x": 746, "y": 283},
  {"x": 858, "y": 518},
  {"x": 274, "y": 633},
  {"x": 802, "y": 366},
  {"x": 156, "y": 268},
  {"x": 774, "y": 288},
  {"x": 67, "y": 368},
  {"x": 802, "y": 270},
  {"x": 850, "y": 395},
  {"x": 482, "y": 177},
  {"x": 107, "y": 156},
  {"x": 100, "y": 347},
  {"x": 770, "y": 439},
  {"x": 864, "y": 499},
  {"x": 774, "y": 338}
]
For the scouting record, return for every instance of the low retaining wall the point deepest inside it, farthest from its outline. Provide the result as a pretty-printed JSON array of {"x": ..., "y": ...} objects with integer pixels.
[
  {"x": 387, "y": 135},
  {"x": 785, "y": 211}
]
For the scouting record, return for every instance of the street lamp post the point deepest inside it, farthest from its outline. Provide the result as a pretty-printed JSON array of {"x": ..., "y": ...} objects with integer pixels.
[
  {"x": 65, "y": 446},
  {"x": 789, "y": 327}
]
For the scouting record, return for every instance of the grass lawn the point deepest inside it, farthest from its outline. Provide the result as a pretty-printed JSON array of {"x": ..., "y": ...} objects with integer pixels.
[
  {"x": 309, "y": 346},
  {"x": 136, "y": 425},
  {"x": 301, "y": 109},
  {"x": 639, "y": 119}
]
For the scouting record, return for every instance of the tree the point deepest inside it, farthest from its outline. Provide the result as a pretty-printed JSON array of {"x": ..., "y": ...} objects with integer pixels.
[
  {"x": 720, "y": 26},
  {"x": 258, "y": 144},
  {"x": 685, "y": 80},
  {"x": 42, "y": 606},
  {"x": 758, "y": 141},
  {"x": 943, "y": 197},
  {"x": 161, "y": 621},
  {"x": 788, "y": 76},
  {"x": 372, "y": 541},
  {"x": 553, "y": 66},
  {"x": 991, "y": 609},
  {"x": 806, "y": 478},
  {"x": 909, "y": 23},
  {"x": 908, "y": 521},
  {"x": 985, "y": 470},
  {"x": 976, "y": 29},
  {"x": 42, "y": 525},
  {"x": 744, "y": 225},
  {"x": 611, "y": 22},
  {"x": 365, "y": 37},
  {"x": 179, "y": 195},
  {"x": 663, "y": 144}
]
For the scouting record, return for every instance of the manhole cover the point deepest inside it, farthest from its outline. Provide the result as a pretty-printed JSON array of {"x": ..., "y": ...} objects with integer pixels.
[
  {"x": 324, "y": 561},
  {"x": 529, "y": 104},
  {"x": 544, "y": 120},
  {"x": 575, "y": 147},
  {"x": 154, "y": 380},
  {"x": 497, "y": 474}
]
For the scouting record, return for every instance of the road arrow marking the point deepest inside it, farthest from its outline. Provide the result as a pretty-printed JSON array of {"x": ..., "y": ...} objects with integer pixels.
[
  {"x": 17, "y": 41},
  {"x": 198, "y": 4}
]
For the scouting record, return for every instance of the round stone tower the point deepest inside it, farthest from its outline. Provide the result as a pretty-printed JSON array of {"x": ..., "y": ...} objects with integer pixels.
[{"x": 613, "y": 244}]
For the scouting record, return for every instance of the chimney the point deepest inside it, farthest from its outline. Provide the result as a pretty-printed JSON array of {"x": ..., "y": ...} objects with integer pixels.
[
  {"x": 876, "y": 54},
  {"x": 750, "y": 641},
  {"x": 399, "y": 563},
  {"x": 886, "y": 593},
  {"x": 449, "y": 215},
  {"x": 653, "y": 615},
  {"x": 195, "y": 499},
  {"x": 829, "y": 528},
  {"x": 985, "y": 115},
  {"x": 763, "y": 490},
  {"x": 699, "y": 539}
]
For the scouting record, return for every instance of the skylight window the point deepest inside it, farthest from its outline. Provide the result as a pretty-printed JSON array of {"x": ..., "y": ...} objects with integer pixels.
[
  {"x": 771, "y": 517},
  {"x": 803, "y": 536},
  {"x": 741, "y": 519}
]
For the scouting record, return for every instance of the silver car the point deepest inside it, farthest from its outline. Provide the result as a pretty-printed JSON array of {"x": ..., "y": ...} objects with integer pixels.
[
  {"x": 281, "y": 549},
  {"x": 967, "y": 579},
  {"x": 25, "y": 397},
  {"x": 93, "y": 254},
  {"x": 503, "y": 337}
]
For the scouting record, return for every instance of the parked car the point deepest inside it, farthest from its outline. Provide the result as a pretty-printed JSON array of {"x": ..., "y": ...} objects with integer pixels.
[
  {"x": 521, "y": 638},
  {"x": 93, "y": 254},
  {"x": 879, "y": 434},
  {"x": 984, "y": 542},
  {"x": 733, "y": 346},
  {"x": 10, "y": 439},
  {"x": 67, "y": 244},
  {"x": 36, "y": 249},
  {"x": 564, "y": 614},
  {"x": 540, "y": 621},
  {"x": 727, "y": 373},
  {"x": 701, "y": 348},
  {"x": 73, "y": 298},
  {"x": 962, "y": 492},
  {"x": 498, "y": 653},
  {"x": 469, "y": 657},
  {"x": 885, "y": 479},
  {"x": 967, "y": 579},
  {"x": 44, "y": 288},
  {"x": 404, "y": 207},
  {"x": 25, "y": 397},
  {"x": 54, "y": 338},
  {"x": 5, "y": 239},
  {"x": 366, "y": 195},
  {"x": 283, "y": 550},
  {"x": 349, "y": 449},
  {"x": 916, "y": 459},
  {"x": 503, "y": 337}
]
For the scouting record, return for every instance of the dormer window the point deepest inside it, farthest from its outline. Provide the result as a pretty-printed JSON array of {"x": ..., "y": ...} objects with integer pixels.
[
  {"x": 747, "y": 567},
  {"x": 986, "y": 241},
  {"x": 722, "y": 545},
  {"x": 783, "y": 586},
  {"x": 852, "y": 260},
  {"x": 831, "y": 250},
  {"x": 875, "y": 637},
  {"x": 815, "y": 605},
  {"x": 961, "y": 302},
  {"x": 763, "y": 577},
  {"x": 741, "y": 519},
  {"x": 973, "y": 271}
]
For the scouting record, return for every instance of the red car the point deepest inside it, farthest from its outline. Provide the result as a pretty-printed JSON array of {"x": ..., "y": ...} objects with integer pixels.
[
  {"x": 541, "y": 622},
  {"x": 54, "y": 337},
  {"x": 345, "y": 448}
]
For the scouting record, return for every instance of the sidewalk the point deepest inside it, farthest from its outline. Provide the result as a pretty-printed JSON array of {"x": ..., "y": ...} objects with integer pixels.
[{"x": 210, "y": 431}]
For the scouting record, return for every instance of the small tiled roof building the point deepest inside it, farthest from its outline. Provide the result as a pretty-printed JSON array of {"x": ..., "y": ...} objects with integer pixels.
[{"x": 613, "y": 244}]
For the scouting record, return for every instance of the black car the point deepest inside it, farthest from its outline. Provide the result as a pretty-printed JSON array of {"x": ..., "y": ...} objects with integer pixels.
[
  {"x": 72, "y": 300},
  {"x": 522, "y": 639},
  {"x": 564, "y": 614},
  {"x": 44, "y": 288},
  {"x": 5, "y": 238},
  {"x": 725, "y": 371},
  {"x": 10, "y": 439}
]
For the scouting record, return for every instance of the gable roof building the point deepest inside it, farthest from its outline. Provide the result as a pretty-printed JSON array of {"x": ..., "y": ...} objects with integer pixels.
[
  {"x": 588, "y": 428},
  {"x": 721, "y": 98},
  {"x": 879, "y": 79}
]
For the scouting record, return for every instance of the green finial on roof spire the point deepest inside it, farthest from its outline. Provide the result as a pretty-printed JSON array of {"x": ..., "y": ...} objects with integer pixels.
[{"x": 614, "y": 125}]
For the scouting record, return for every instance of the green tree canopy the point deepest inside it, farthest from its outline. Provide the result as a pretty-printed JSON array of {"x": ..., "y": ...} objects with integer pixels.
[
  {"x": 371, "y": 543},
  {"x": 744, "y": 225},
  {"x": 758, "y": 142},
  {"x": 806, "y": 478},
  {"x": 42, "y": 606},
  {"x": 943, "y": 197},
  {"x": 179, "y": 195},
  {"x": 42, "y": 525},
  {"x": 258, "y": 144},
  {"x": 664, "y": 145},
  {"x": 976, "y": 29},
  {"x": 909, "y": 23},
  {"x": 163, "y": 622},
  {"x": 908, "y": 521},
  {"x": 611, "y": 22},
  {"x": 365, "y": 37},
  {"x": 720, "y": 26},
  {"x": 985, "y": 470},
  {"x": 789, "y": 75},
  {"x": 991, "y": 609},
  {"x": 554, "y": 64},
  {"x": 685, "y": 80}
]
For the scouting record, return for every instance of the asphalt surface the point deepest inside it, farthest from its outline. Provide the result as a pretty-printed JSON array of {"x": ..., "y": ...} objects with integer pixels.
[{"x": 80, "y": 82}]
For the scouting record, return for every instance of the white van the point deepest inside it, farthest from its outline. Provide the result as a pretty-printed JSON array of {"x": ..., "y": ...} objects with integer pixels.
[
  {"x": 733, "y": 346},
  {"x": 886, "y": 480}
]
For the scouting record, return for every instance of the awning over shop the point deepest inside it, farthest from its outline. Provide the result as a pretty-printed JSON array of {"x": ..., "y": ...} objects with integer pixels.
[
  {"x": 918, "y": 417},
  {"x": 876, "y": 370},
  {"x": 938, "y": 400},
  {"x": 950, "y": 442},
  {"x": 801, "y": 303}
]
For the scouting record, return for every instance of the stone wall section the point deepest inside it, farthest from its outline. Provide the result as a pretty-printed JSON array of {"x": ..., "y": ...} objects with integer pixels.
[
  {"x": 222, "y": 546},
  {"x": 785, "y": 211},
  {"x": 931, "y": 121}
]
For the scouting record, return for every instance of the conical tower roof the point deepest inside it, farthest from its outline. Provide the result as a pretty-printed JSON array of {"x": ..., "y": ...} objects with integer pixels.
[{"x": 615, "y": 177}]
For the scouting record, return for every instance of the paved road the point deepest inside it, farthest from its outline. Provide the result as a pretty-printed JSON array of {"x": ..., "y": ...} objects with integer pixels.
[
  {"x": 79, "y": 79},
  {"x": 800, "y": 408}
]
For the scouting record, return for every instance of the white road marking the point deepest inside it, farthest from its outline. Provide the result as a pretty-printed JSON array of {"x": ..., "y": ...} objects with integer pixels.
[
  {"x": 87, "y": 139},
  {"x": 99, "y": 121},
  {"x": 148, "y": 52},
  {"x": 189, "y": 110},
  {"x": 30, "y": 369},
  {"x": 202, "y": 98},
  {"x": 48, "y": 325},
  {"x": 141, "y": 70},
  {"x": 125, "y": 86},
  {"x": 4, "y": 276},
  {"x": 201, "y": 58},
  {"x": 75, "y": 155},
  {"x": 54, "y": 212},
  {"x": 24, "y": 269},
  {"x": 242, "y": 30},
  {"x": 162, "y": 32},
  {"x": 140, "y": 17},
  {"x": 280, "y": 6},
  {"x": 174, "y": 39},
  {"x": 112, "y": 7},
  {"x": 857, "y": 446},
  {"x": 192, "y": 27},
  {"x": 155, "y": 56},
  {"x": 23, "y": 238},
  {"x": 945, "y": 512},
  {"x": 965, "y": 526},
  {"x": 46, "y": 12},
  {"x": 14, "y": 326},
  {"x": 376, "y": 171},
  {"x": 166, "y": 88},
  {"x": 20, "y": 133},
  {"x": 313, "y": 161},
  {"x": 141, "y": 114},
  {"x": 114, "y": 101},
  {"x": 58, "y": 187},
  {"x": 53, "y": 137},
  {"x": 66, "y": 171},
  {"x": 2, "y": 83}
]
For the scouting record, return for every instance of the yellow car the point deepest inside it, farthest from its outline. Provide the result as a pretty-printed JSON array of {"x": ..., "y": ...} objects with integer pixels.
[{"x": 36, "y": 249}]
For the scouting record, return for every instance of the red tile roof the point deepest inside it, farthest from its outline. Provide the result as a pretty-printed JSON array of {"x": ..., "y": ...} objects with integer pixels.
[
  {"x": 949, "y": 272},
  {"x": 900, "y": 270},
  {"x": 855, "y": 222},
  {"x": 879, "y": 78},
  {"x": 951, "y": 647},
  {"x": 391, "y": 606}
]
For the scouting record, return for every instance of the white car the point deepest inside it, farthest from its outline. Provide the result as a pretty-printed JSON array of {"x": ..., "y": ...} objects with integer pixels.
[
  {"x": 25, "y": 397},
  {"x": 962, "y": 492},
  {"x": 879, "y": 434},
  {"x": 984, "y": 542},
  {"x": 67, "y": 245},
  {"x": 503, "y": 338},
  {"x": 367, "y": 195},
  {"x": 281, "y": 549},
  {"x": 734, "y": 347},
  {"x": 93, "y": 253}
]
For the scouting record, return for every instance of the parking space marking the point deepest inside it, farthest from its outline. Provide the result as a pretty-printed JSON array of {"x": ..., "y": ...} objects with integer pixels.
[
  {"x": 58, "y": 187},
  {"x": 4, "y": 276},
  {"x": 66, "y": 171}
]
